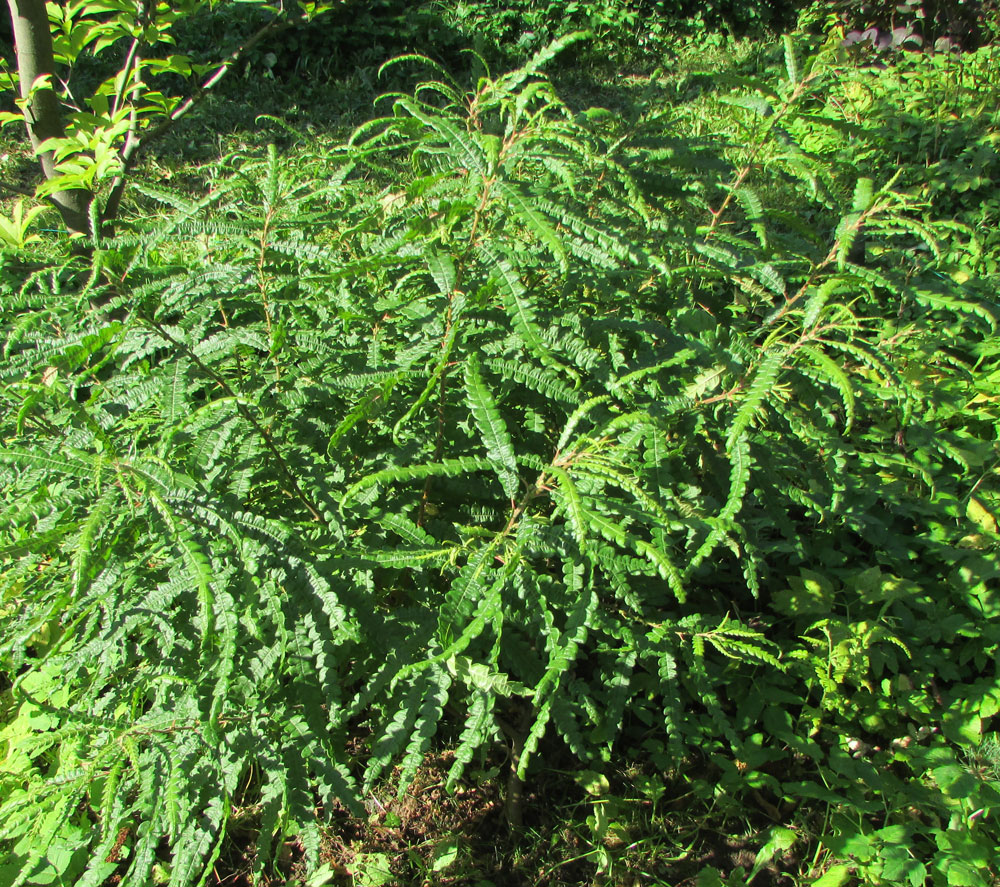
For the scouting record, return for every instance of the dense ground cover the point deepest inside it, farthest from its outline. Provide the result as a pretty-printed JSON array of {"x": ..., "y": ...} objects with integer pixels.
[{"x": 608, "y": 461}]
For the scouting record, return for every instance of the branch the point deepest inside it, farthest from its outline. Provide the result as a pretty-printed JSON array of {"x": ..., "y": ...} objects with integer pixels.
[
  {"x": 133, "y": 67},
  {"x": 133, "y": 144},
  {"x": 133, "y": 62},
  {"x": 265, "y": 435},
  {"x": 130, "y": 63}
]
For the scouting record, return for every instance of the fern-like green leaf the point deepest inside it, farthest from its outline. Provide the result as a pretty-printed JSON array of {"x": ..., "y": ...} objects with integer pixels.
[
  {"x": 763, "y": 384},
  {"x": 569, "y": 499},
  {"x": 479, "y": 727},
  {"x": 467, "y": 152},
  {"x": 535, "y": 222},
  {"x": 831, "y": 371},
  {"x": 444, "y": 468},
  {"x": 791, "y": 62},
  {"x": 435, "y": 696},
  {"x": 521, "y": 312},
  {"x": 492, "y": 428},
  {"x": 197, "y": 565}
]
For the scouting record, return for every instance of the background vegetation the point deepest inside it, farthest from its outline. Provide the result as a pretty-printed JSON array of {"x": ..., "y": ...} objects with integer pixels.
[{"x": 580, "y": 465}]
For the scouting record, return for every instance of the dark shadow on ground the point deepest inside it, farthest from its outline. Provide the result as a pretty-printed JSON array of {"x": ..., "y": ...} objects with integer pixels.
[
  {"x": 323, "y": 77},
  {"x": 319, "y": 79}
]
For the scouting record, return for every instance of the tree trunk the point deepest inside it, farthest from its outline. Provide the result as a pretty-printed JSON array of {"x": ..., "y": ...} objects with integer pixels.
[{"x": 43, "y": 116}]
